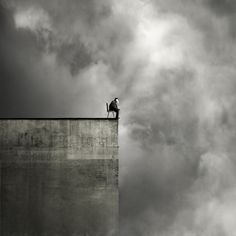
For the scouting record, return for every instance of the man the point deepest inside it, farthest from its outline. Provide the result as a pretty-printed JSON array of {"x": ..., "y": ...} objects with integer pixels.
[{"x": 114, "y": 106}]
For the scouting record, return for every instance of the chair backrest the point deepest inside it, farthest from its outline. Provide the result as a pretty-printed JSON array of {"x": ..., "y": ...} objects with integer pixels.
[{"x": 107, "y": 106}]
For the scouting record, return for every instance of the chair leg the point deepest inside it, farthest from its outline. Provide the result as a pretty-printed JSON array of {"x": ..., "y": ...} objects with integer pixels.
[{"x": 108, "y": 114}]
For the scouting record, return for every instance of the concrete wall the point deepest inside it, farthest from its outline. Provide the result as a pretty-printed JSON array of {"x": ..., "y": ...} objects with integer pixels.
[{"x": 58, "y": 177}]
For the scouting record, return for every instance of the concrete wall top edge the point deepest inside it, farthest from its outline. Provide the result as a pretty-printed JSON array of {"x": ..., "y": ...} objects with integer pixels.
[{"x": 57, "y": 118}]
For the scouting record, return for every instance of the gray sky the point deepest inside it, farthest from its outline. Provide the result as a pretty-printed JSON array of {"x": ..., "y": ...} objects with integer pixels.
[{"x": 172, "y": 63}]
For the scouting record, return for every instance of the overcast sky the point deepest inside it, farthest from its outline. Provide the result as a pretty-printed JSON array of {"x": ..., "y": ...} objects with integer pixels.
[{"x": 172, "y": 63}]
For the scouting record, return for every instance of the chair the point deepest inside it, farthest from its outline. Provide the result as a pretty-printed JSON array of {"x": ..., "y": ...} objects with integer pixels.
[{"x": 108, "y": 111}]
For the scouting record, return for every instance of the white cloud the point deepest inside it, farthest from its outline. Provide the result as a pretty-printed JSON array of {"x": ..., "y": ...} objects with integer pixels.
[{"x": 32, "y": 18}]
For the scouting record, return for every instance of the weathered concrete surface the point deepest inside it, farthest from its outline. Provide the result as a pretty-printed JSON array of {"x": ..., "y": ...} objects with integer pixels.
[{"x": 59, "y": 177}]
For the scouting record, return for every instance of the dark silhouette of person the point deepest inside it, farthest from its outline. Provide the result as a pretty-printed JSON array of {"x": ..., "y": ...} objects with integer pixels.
[{"x": 114, "y": 106}]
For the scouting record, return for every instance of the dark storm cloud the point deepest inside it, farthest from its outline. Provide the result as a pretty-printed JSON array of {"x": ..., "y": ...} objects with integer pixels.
[
  {"x": 16, "y": 82},
  {"x": 44, "y": 57},
  {"x": 227, "y": 9},
  {"x": 74, "y": 55},
  {"x": 222, "y": 7},
  {"x": 172, "y": 63}
]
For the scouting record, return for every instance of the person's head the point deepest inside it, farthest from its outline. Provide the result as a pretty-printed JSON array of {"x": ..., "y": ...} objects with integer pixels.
[{"x": 116, "y": 99}]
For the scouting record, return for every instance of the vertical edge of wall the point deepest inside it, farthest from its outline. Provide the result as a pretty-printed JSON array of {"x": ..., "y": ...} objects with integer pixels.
[{"x": 59, "y": 177}]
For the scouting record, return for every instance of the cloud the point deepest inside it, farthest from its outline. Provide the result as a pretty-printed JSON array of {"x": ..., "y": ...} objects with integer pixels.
[
  {"x": 32, "y": 18},
  {"x": 222, "y": 7},
  {"x": 46, "y": 77},
  {"x": 209, "y": 203},
  {"x": 172, "y": 64}
]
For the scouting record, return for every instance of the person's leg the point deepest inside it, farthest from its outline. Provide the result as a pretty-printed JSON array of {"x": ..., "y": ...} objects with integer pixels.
[{"x": 117, "y": 113}]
